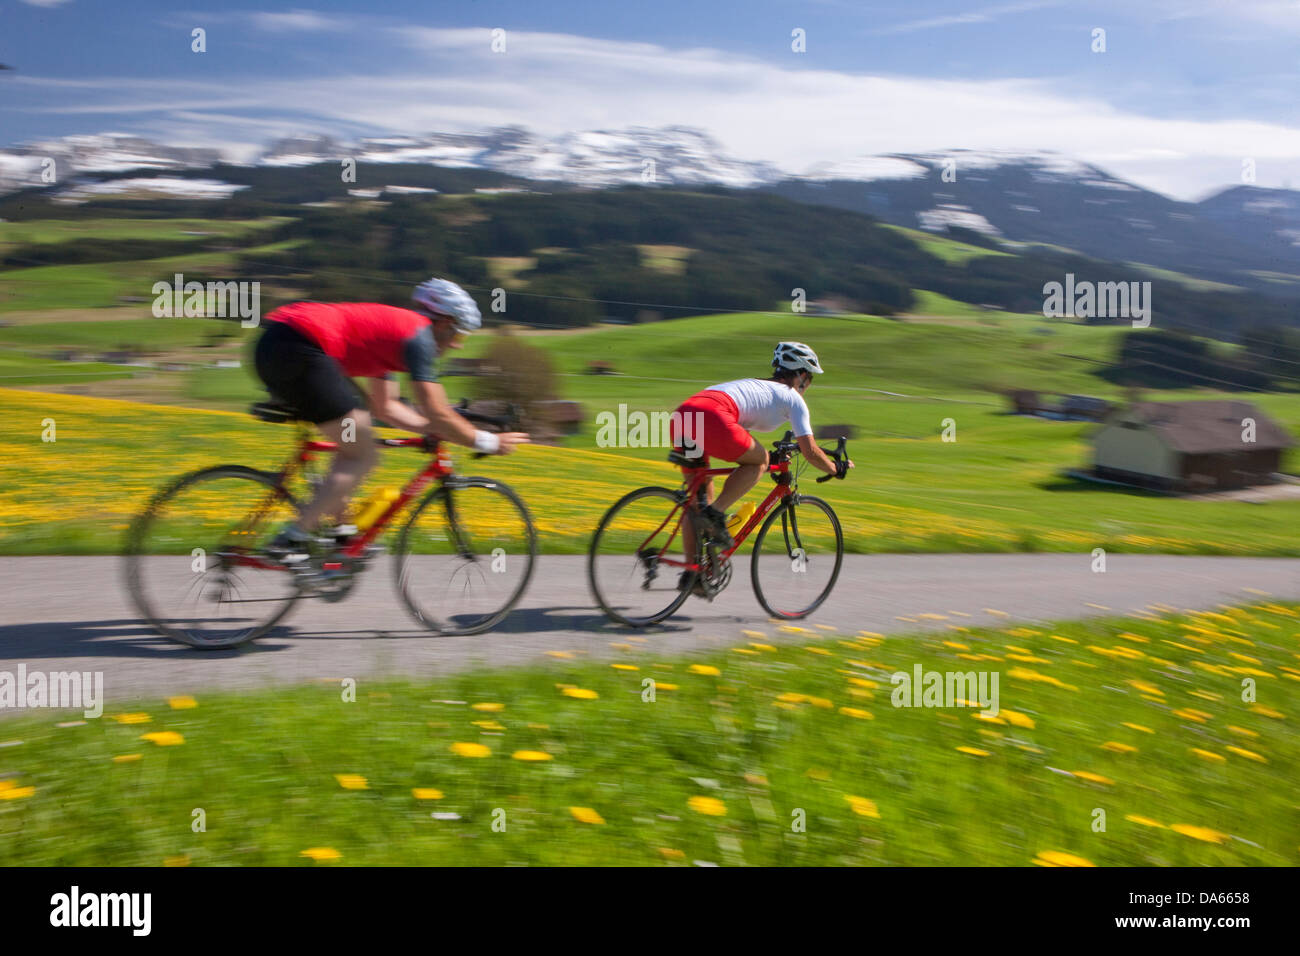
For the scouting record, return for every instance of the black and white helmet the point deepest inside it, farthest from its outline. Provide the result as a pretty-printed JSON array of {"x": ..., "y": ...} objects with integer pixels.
[
  {"x": 794, "y": 357},
  {"x": 445, "y": 298}
]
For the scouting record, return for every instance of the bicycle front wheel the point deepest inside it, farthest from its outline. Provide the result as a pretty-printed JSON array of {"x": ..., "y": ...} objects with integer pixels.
[
  {"x": 193, "y": 564},
  {"x": 465, "y": 556},
  {"x": 628, "y": 562},
  {"x": 797, "y": 557}
]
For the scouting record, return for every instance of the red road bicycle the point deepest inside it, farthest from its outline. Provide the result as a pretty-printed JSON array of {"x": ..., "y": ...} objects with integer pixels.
[
  {"x": 638, "y": 578},
  {"x": 197, "y": 570}
]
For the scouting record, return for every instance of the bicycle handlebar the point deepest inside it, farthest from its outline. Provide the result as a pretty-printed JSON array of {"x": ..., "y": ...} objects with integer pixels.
[{"x": 838, "y": 455}]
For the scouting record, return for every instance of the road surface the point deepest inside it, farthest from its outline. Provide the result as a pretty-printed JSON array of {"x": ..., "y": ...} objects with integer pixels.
[{"x": 72, "y": 613}]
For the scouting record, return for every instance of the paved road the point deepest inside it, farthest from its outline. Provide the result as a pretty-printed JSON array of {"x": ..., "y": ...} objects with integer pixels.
[{"x": 71, "y": 613}]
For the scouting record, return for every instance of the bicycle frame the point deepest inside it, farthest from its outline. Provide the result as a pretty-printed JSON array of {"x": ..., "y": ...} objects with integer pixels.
[
  {"x": 439, "y": 468},
  {"x": 697, "y": 479}
]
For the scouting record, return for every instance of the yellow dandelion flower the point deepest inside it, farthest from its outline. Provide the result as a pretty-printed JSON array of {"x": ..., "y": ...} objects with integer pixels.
[
  {"x": 709, "y": 806},
  {"x": 352, "y": 781},
  {"x": 1248, "y": 754},
  {"x": 531, "y": 755},
  {"x": 126, "y": 758},
  {"x": 708, "y": 670},
  {"x": 1017, "y": 719},
  {"x": 132, "y": 718},
  {"x": 580, "y": 693},
  {"x": 1145, "y": 821},
  {"x": 1209, "y": 755},
  {"x": 1145, "y": 687},
  {"x": 1267, "y": 712},
  {"x": 562, "y": 655},
  {"x": 1139, "y": 727},
  {"x": 973, "y": 751},
  {"x": 818, "y": 650},
  {"x": 181, "y": 860},
  {"x": 1241, "y": 731},
  {"x": 863, "y": 807},
  {"x": 1060, "y": 858},
  {"x": 469, "y": 750},
  {"x": 660, "y": 685},
  {"x": 1187, "y": 713},
  {"x": 426, "y": 793},
  {"x": 1093, "y": 777},
  {"x": 183, "y": 702},
  {"x": 745, "y": 650},
  {"x": 164, "y": 738},
  {"x": 586, "y": 815},
  {"x": 12, "y": 791},
  {"x": 489, "y": 708},
  {"x": 625, "y": 667},
  {"x": 319, "y": 853},
  {"x": 671, "y": 854},
  {"x": 763, "y": 647},
  {"x": 1114, "y": 746},
  {"x": 856, "y": 712},
  {"x": 1205, "y": 834}
]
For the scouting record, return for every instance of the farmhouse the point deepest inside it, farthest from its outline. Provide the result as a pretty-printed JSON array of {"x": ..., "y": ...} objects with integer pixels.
[{"x": 1189, "y": 446}]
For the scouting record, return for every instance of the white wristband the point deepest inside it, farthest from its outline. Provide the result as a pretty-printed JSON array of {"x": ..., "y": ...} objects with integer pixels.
[{"x": 487, "y": 442}]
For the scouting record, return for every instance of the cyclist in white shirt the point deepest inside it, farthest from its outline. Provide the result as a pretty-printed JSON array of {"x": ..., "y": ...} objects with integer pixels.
[{"x": 727, "y": 413}]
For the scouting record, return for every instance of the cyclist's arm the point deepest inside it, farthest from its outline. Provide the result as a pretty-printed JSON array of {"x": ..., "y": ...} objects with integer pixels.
[
  {"x": 816, "y": 456},
  {"x": 801, "y": 423},
  {"x": 446, "y": 424},
  {"x": 385, "y": 405}
]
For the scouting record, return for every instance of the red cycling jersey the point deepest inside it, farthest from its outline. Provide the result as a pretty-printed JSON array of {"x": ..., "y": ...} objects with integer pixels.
[{"x": 366, "y": 338}]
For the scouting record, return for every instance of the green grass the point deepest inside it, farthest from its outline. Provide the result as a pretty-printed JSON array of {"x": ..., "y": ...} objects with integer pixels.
[
  {"x": 101, "y": 284},
  {"x": 998, "y": 487},
  {"x": 45, "y": 231},
  {"x": 949, "y": 250},
  {"x": 778, "y": 733}
]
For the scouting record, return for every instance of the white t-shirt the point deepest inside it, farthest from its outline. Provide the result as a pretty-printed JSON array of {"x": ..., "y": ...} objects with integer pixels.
[{"x": 765, "y": 405}]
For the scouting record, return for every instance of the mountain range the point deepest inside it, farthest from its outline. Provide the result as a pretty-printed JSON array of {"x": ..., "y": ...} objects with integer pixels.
[{"x": 1243, "y": 236}]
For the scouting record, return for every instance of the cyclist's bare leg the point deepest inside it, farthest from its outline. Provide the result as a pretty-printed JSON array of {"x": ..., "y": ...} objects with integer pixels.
[
  {"x": 352, "y": 462},
  {"x": 745, "y": 475},
  {"x": 688, "y": 528}
]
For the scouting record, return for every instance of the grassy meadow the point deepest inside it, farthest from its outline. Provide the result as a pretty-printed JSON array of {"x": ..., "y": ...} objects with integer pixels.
[{"x": 786, "y": 749}]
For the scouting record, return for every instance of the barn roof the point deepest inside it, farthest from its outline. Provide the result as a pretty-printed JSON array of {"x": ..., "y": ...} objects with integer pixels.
[{"x": 1202, "y": 427}]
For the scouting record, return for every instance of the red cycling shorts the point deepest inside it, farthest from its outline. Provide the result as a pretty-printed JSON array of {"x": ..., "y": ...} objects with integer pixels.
[{"x": 711, "y": 420}]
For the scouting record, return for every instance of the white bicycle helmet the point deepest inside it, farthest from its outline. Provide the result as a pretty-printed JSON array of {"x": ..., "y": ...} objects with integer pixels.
[
  {"x": 444, "y": 298},
  {"x": 794, "y": 357}
]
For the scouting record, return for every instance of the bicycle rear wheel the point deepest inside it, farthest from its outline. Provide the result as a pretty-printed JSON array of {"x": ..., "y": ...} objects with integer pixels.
[
  {"x": 797, "y": 557},
  {"x": 465, "y": 556},
  {"x": 193, "y": 567},
  {"x": 625, "y": 564}
]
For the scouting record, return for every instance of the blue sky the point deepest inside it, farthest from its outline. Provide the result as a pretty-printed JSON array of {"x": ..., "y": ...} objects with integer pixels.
[{"x": 1185, "y": 90}]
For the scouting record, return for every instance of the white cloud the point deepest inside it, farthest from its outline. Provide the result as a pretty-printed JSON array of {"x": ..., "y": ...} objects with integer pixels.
[
  {"x": 791, "y": 115},
  {"x": 297, "y": 21},
  {"x": 975, "y": 16},
  {"x": 44, "y": 3}
]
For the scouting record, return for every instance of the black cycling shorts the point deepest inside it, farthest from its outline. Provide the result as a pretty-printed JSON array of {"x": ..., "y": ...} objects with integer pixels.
[{"x": 297, "y": 371}]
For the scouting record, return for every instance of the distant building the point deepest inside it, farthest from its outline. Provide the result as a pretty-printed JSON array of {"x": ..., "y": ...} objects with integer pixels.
[
  {"x": 1189, "y": 446},
  {"x": 1057, "y": 405}
]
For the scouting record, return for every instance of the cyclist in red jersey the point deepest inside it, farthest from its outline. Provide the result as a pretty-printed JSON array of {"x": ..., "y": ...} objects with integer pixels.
[{"x": 306, "y": 357}]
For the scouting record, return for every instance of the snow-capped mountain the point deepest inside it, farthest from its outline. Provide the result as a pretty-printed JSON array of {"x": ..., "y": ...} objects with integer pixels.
[
  {"x": 1057, "y": 200},
  {"x": 23, "y": 166},
  {"x": 1038, "y": 197},
  {"x": 670, "y": 155}
]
